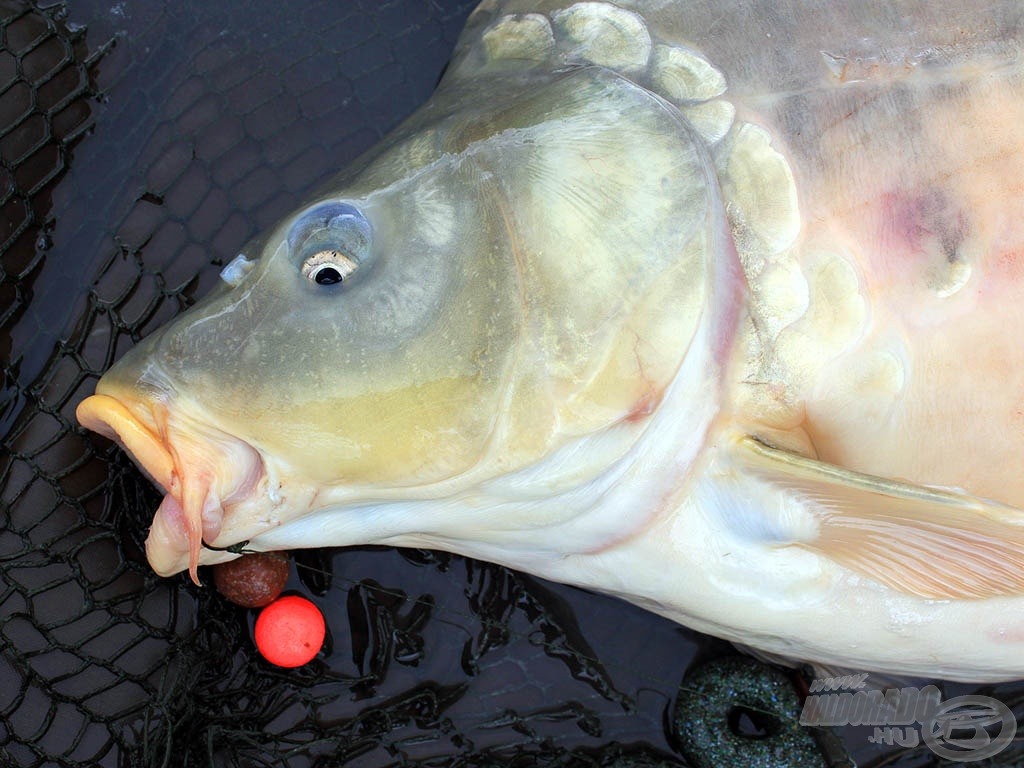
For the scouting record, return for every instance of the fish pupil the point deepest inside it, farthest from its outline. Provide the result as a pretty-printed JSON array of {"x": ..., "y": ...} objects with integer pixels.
[{"x": 327, "y": 276}]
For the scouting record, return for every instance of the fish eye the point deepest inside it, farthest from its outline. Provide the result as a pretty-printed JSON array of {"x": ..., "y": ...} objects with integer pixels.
[
  {"x": 329, "y": 242},
  {"x": 328, "y": 267}
]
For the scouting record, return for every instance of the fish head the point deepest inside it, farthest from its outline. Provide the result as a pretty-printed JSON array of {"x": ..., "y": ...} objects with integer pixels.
[{"x": 471, "y": 329}]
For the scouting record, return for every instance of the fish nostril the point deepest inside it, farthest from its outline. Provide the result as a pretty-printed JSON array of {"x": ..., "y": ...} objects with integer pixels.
[{"x": 236, "y": 270}]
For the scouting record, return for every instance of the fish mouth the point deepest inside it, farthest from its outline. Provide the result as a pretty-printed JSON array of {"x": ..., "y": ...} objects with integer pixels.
[{"x": 202, "y": 471}]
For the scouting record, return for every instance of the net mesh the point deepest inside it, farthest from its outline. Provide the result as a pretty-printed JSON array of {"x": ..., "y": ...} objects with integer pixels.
[{"x": 141, "y": 145}]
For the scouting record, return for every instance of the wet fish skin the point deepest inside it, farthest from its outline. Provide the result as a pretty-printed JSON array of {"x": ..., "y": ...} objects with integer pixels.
[{"x": 712, "y": 306}]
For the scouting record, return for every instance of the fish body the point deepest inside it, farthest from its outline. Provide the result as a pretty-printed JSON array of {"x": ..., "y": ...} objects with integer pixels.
[{"x": 713, "y": 306}]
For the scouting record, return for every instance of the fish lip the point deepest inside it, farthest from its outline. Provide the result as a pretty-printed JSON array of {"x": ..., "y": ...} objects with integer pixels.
[
  {"x": 168, "y": 545},
  {"x": 110, "y": 417},
  {"x": 227, "y": 471}
]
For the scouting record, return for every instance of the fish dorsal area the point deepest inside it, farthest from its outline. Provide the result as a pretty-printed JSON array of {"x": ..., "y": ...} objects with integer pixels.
[{"x": 605, "y": 35}]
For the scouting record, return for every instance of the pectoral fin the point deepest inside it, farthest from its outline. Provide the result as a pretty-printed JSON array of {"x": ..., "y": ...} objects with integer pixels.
[{"x": 923, "y": 541}]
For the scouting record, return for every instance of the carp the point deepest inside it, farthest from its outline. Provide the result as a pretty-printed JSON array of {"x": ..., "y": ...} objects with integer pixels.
[{"x": 714, "y": 306}]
